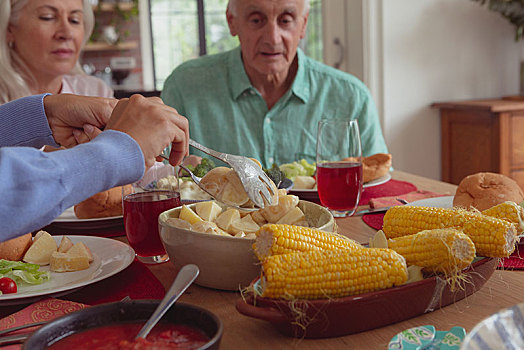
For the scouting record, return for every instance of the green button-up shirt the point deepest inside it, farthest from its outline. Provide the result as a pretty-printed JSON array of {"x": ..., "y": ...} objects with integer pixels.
[{"x": 228, "y": 114}]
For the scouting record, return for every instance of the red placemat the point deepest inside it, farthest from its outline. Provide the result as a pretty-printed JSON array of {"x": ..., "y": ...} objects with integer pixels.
[
  {"x": 390, "y": 188},
  {"x": 515, "y": 260},
  {"x": 136, "y": 281},
  {"x": 374, "y": 220}
]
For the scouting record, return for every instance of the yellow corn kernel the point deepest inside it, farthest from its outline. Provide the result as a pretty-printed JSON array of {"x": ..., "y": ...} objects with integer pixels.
[
  {"x": 439, "y": 250},
  {"x": 272, "y": 239},
  {"x": 509, "y": 211},
  {"x": 493, "y": 237},
  {"x": 332, "y": 273}
]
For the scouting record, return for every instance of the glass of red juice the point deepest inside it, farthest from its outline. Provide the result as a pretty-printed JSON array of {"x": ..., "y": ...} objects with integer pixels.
[
  {"x": 339, "y": 165},
  {"x": 154, "y": 194}
]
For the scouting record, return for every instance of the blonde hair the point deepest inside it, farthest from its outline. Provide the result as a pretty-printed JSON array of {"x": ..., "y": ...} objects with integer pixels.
[
  {"x": 231, "y": 6},
  {"x": 14, "y": 73}
]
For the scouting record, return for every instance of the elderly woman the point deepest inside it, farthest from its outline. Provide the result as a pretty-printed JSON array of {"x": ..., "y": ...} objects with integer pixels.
[{"x": 40, "y": 42}]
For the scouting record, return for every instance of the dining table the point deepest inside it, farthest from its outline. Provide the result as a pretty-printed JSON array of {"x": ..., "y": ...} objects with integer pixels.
[{"x": 505, "y": 288}]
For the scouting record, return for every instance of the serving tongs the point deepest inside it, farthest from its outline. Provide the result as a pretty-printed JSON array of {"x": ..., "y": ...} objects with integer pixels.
[{"x": 255, "y": 181}]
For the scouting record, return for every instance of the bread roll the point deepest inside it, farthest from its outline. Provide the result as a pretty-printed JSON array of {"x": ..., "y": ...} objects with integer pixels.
[
  {"x": 375, "y": 166},
  {"x": 215, "y": 180},
  {"x": 224, "y": 185},
  {"x": 103, "y": 204},
  {"x": 14, "y": 249},
  {"x": 485, "y": 190}
]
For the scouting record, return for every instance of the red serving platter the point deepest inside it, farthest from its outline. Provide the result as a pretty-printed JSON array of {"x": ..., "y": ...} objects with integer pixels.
[{"x": 343, "y": 316}]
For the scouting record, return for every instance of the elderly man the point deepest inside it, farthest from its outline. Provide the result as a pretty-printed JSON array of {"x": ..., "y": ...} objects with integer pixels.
[{"x": 265, "y": 98}]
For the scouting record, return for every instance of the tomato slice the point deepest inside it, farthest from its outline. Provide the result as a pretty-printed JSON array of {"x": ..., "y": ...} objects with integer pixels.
[{"x": 7, "y": 285}]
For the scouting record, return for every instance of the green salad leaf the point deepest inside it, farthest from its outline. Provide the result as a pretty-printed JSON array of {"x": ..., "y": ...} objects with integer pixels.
[
  {"x": 300, "y": 168},
  {"x": 22, "y": 272}
]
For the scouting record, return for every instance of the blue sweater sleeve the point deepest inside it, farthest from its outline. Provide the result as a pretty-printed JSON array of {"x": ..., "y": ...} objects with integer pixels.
[
  {"x": 38, "y": 186},
  {"x": 24, "y": 123}
]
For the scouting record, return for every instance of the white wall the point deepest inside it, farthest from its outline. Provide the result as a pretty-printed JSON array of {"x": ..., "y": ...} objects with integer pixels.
[{"x": 438, "y": 50}]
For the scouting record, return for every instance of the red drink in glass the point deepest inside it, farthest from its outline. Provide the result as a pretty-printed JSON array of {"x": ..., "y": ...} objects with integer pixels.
[
  {"x": 141, "y": 211},
  {"x": 339, "y": 185}
]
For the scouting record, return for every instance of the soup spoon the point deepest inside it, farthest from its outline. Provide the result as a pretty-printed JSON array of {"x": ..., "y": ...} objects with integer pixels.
[{"x": 185, "y": 277}]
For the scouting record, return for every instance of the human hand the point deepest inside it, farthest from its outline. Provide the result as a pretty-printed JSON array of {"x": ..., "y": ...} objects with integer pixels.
[
  {"x": 67, "y": 114},
  {"x": 87, "y": 133},
  {"x": 153, "y": 125},
  {"x": 192, "y": 160}
]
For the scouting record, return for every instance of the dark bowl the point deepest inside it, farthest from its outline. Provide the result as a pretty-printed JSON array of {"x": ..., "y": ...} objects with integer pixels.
[{"x": 113, "y": 313}]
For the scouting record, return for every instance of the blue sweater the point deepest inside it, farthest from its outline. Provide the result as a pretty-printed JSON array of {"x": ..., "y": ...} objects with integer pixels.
[{"x": 37, "y": 186}]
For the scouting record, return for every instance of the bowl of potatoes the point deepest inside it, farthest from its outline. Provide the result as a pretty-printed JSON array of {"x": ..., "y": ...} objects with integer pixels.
[{"x": 218, "y": 239}]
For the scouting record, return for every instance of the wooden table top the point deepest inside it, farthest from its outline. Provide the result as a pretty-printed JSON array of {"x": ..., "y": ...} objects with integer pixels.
[{"x": 504, "y": 289}]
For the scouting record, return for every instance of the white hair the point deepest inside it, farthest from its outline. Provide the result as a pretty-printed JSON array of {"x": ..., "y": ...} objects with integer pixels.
[
  {"x": 232, "y": 4},
  {"x": 14, "y": 73}
]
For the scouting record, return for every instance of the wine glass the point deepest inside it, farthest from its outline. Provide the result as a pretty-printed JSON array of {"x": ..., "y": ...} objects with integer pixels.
[
  {"x": 155, "y": 193},
  {"x": 339, "y": 165}
]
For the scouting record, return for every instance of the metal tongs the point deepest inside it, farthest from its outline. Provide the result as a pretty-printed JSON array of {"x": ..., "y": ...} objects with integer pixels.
[{"x": 255, "y": 181}]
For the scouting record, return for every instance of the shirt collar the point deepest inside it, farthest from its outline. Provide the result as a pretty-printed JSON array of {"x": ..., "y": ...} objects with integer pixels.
[
  {"x": 239, "y": 81},
  {"x": 300, "y": 87}
]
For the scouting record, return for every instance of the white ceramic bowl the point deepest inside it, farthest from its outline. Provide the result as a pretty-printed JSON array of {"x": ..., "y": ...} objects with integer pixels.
[{"x": 226, "y": 263}]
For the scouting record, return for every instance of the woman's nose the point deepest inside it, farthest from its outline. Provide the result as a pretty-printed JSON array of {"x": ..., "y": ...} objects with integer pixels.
[{"x": 64, "y": 30}]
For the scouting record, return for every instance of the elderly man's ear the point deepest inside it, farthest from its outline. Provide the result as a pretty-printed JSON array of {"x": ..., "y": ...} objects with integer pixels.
[{"x": 230, "y": 22}]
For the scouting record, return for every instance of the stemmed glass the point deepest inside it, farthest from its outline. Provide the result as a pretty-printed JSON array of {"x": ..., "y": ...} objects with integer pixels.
[
  {"x": 339, "y": 165},
  {"x": 155, "y": 193}
]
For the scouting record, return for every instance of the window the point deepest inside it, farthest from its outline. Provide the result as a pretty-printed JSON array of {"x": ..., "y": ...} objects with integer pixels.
[{"x": 186, "y": 29}]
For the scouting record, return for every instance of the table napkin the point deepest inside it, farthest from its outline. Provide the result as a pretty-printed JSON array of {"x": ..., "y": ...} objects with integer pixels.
[
  {"x": 391, "y": 201},
  {"x": 43, "y": 310},
  {"x": 376, "y": 220}
]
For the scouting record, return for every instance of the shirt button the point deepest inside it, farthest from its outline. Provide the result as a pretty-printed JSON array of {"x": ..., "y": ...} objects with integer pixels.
[{"x": 271, "y": 160}]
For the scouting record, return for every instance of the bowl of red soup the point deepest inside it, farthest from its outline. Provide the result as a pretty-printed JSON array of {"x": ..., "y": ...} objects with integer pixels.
[{"x": 115, "y": 325}]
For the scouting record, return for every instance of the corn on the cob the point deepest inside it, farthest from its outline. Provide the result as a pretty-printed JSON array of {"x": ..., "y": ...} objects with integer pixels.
[
  {"x": 492, "y": 237},
  {"x": 509, "y": 211},
  {"x": 274, "y": 239},
  {"x": 332, "y": 273},
  {"x": 439, "y": 250}
]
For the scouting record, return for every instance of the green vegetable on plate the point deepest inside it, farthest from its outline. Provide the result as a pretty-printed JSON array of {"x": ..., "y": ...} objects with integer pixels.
[
  {"x": 298, "y": 168},
  {"x": 21, "y": 272}
]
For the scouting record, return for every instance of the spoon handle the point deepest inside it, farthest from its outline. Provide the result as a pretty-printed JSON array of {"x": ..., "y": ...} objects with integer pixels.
[{"x": 185, "y": 277}]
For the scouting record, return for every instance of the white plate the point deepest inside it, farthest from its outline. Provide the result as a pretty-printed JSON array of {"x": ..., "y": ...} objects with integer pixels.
[
  {"x": 376, "y": 182},
  {"x": 379, "y": 181},
  {"x": 69, "y": 216},
  {"x": 68, "y": 221},
  {"x": 110, "y": 257},
  {"x": 438, "y": 202},
  {"x": 502, "y": 330}
]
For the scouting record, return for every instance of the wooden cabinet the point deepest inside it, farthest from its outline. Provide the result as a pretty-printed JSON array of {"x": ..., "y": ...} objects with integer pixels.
[{"x": 482, "y": 135}]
